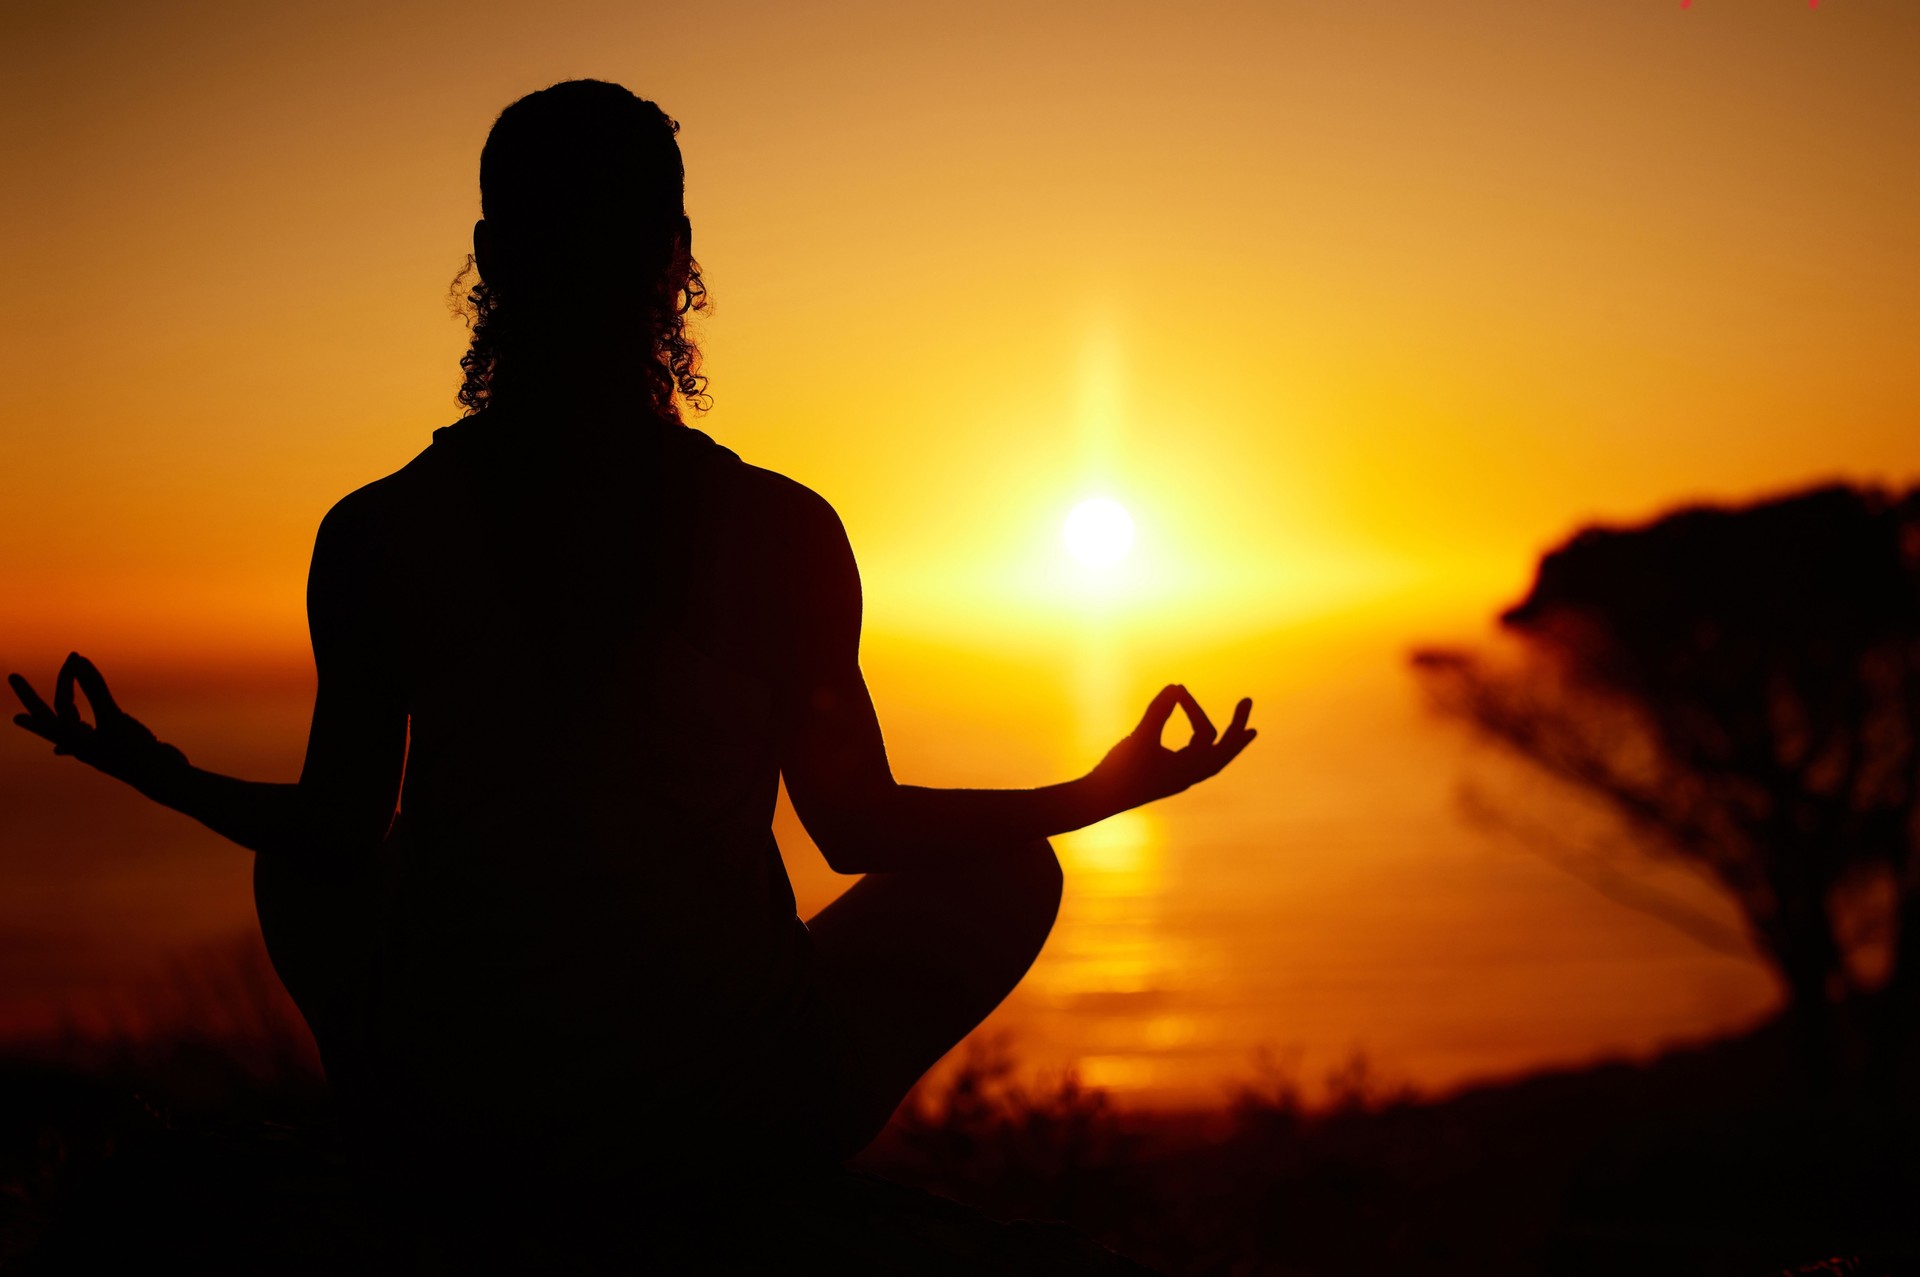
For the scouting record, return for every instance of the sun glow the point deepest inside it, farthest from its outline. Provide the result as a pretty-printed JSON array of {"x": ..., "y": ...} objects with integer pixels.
[{"x": 1098, "y": 532}]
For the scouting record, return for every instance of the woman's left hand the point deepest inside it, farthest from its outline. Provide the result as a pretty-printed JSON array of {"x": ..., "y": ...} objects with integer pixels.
[
  {"x": 1140, "y": 769},
  {"x": 115, "y": 742}
]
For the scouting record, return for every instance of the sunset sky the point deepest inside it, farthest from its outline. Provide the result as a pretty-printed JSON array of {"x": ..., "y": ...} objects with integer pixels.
[{"x": 1354, "y": 305}]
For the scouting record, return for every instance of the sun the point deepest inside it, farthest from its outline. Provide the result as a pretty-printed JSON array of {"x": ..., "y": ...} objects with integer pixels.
[{"x": 1098, "y": 532}]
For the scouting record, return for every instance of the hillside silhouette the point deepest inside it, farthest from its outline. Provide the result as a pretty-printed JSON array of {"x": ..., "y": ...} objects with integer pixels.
[{"x": 225, "y": 1155}]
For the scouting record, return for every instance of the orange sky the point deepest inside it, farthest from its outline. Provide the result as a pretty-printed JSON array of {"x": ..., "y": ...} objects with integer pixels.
[
  {"x": 1355, "y": 304},
  {"x": 1345, "y": 300}
]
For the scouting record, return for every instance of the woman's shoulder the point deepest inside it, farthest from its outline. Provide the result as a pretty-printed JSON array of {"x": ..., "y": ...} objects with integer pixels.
[
  {"x": 373, "y": 508},
  {"x": 800, "y": 535},
  {"x": 795, "y": 523},
  {"x": 792, "y": 504}
]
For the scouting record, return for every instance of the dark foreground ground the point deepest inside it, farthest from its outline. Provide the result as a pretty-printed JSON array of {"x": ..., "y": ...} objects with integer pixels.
[{"x": 222, "y": 1158}]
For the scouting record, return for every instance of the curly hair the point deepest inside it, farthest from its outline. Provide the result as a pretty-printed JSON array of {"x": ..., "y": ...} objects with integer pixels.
[
  {"x": 583, "y": 152},
  {"x": 673, "y": 371}
]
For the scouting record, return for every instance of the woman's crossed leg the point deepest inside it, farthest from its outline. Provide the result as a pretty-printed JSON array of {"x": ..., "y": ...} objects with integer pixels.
[{"x": 912, "y": 960}]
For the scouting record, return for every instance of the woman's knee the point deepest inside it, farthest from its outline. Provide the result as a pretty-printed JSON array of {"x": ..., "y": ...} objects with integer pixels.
[
  {"x": 1029, "y": 872},
  {"x": 312, "y": 923},
  {"x": 1042, "y": 870}
]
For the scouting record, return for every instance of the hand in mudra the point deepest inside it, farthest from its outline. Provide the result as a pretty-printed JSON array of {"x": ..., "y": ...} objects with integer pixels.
[
  {"x": 115, "y": 742},
  {"x": 1140, "y": 769}
]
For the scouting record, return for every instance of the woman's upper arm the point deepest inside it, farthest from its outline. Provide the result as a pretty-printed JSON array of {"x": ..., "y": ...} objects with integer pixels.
[
  {"x": 831, "y": 751},
  {"x": 356, "y": 749}
]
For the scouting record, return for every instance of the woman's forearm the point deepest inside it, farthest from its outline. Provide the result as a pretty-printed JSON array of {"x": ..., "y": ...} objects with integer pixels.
[
  {"x": 909, "y": 826},
  {"x": 269, "y": 818},
  {"x": 335, "y": 817}
]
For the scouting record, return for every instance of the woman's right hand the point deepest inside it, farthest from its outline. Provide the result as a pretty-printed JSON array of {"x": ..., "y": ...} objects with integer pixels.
[
  {"x": 1140, "y": 769},
  {"x": 115, "y": 742}
]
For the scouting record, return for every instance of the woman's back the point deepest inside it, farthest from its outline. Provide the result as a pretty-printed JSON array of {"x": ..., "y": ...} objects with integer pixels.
[{"x": 583, "y": 898}]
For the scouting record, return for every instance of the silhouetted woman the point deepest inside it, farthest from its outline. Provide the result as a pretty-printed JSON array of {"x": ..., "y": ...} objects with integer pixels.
[{"x": 591, "y": 641}]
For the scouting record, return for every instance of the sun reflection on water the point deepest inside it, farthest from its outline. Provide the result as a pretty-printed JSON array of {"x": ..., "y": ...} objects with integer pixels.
[{"x": 1119, "y": 845}]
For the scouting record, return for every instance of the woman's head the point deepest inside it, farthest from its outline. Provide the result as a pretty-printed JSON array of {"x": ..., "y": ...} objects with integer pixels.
[{"x": 584, "y": 252}]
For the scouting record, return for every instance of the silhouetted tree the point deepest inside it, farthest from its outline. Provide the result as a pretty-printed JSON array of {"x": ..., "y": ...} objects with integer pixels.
[{"x": 1742, "y": 687}]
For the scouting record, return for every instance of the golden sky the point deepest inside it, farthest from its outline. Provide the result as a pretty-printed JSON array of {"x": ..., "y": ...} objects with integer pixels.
[{"x": 1349, "y": 301}]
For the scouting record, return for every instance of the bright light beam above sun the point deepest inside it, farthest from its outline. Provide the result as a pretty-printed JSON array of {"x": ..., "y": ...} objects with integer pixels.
[{"x": 1098, "y": 532}]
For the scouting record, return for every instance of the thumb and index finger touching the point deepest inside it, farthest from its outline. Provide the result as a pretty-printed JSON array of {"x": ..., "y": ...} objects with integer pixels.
[
  {"x": 79, "y": 670},
  {"x": 1205, "y": 736},
  {"x": 63, "y": 715},
  {"x": 1159, "y": 710}
]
